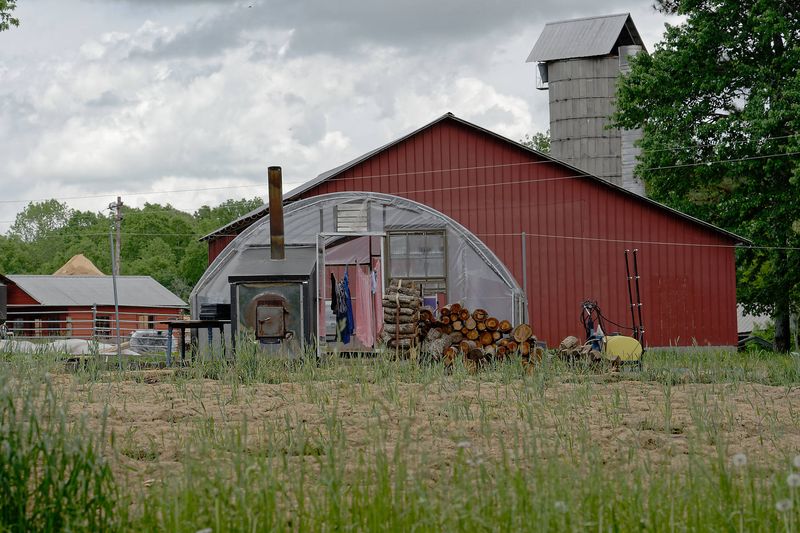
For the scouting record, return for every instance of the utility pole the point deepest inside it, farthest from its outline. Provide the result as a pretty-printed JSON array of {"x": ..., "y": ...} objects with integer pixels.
[{"x": 116, "y": 208}]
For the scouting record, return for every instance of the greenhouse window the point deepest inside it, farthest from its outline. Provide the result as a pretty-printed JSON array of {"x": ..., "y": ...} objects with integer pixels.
[{"x": 420, "y": 256}]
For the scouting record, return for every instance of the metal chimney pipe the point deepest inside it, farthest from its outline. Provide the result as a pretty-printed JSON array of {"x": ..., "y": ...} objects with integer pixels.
[{"x": 276, "y": 237}]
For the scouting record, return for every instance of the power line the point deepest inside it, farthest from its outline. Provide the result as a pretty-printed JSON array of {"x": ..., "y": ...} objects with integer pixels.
[
  {"x": 113, "y": 195},
  {"x": 512, "y": 234},
  {"x": 636, "y": 241},
  {"x": 136, "y": 211},
  {"x": 722, "y": 143},
  {"x": 414, "y": 173}
]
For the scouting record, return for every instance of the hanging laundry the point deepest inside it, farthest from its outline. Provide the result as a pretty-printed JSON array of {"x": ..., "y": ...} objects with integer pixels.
[
  {"x": 342, "y": 330},
  {"x": 378, "y": 291},
  {"x": 323, "y": 314},
  {"x": 334, "y": 301},
  {"x": 363, "y": 309},
  {"x": 348, "y": 304}
]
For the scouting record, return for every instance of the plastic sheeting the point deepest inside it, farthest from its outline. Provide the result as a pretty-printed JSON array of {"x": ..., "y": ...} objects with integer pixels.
[{"x": 474, "y": 275}]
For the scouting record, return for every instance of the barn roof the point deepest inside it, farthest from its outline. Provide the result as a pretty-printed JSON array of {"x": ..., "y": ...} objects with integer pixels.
[
  {"x": 132, "y": 291},
  {"x": 258, "y": 213},
  {"x": 584, "y": 37}
]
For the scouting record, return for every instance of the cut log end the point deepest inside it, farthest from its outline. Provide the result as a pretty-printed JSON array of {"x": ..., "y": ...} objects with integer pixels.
[{"x": 522, "y": 333}]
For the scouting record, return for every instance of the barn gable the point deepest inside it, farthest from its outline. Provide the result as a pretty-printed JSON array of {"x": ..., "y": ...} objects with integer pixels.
[{"x": 529, "y": 156}]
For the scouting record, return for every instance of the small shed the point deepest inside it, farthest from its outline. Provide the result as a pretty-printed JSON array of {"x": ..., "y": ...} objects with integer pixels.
[{"x": 83, "y": 306}]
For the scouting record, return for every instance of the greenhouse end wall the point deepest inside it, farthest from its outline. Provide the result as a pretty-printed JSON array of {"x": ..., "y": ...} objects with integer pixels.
[{"x": 474, "y": 275}]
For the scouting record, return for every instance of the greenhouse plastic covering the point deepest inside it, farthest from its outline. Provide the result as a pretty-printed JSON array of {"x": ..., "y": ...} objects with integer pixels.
[{"x": 475, "y": 277}]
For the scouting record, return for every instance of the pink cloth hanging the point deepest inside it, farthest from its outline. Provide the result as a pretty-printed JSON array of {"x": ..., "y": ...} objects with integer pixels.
[
  {"x": 377, "y": 298},
  {"x": 362, "y": 310}
]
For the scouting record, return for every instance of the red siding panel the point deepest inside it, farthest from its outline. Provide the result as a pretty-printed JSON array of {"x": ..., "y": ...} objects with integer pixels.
[
  {"x": 17, "y": 296},
  {"x": 217, "y": 245}
]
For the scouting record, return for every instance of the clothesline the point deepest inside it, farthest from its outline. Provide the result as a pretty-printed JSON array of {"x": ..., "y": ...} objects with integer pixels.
[{"x": 354, "y": 303}]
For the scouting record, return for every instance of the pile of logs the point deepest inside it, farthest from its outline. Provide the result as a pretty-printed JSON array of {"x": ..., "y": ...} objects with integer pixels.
[
  {"x": 476, "y": 336},
  {"x": 401, "y": 315},
  {"x": 572, "y": 350}
]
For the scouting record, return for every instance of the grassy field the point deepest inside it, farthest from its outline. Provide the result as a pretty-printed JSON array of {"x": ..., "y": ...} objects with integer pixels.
[{"x": 694, "y": 442}]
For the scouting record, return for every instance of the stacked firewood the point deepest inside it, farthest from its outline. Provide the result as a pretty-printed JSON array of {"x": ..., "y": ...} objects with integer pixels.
[
  {"x": 401, "y": 315},
  {"x": 478, "y": 338},
  {"x": 572, "y": 350}
]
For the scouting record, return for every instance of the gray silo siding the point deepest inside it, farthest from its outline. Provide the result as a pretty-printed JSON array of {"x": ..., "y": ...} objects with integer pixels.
[{"x": 582, "y": 95}]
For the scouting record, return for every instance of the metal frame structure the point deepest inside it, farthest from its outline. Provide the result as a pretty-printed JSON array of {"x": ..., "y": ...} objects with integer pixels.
[
  {"x": 473, "y": 272},
  {"x": 322, "y": 275}
]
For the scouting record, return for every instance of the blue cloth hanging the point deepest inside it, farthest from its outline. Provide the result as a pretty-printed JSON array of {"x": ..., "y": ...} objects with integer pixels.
[{"x": 351, "y": 326}]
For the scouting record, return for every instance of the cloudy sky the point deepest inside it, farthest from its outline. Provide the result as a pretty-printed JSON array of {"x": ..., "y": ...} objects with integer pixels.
[{"x": 100, "y": 98}]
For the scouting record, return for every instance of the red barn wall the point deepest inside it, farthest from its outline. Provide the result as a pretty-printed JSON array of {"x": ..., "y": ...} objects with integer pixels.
[
  {"x": 577, "y": 232},
  {"x": 216, "y": 245},
  {"x": 129, "y": 317},
  {"x": 17, "y": 296},
  {"x": 54, "y": 319}
]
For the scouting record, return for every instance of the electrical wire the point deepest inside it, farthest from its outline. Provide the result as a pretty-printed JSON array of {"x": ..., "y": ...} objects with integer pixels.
[
  {"x": 719, "y": 143},
  {"x": 635, "y": 241},
  {"x": 512, "y": 234},
  {"x": 413, "y": 173}
]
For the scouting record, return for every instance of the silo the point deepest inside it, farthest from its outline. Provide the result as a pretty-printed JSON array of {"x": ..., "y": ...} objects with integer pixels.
[{"x": 579, "y": 63}]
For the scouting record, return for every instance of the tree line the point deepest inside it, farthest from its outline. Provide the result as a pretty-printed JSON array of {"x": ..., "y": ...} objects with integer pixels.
[{"x": 157, "y": 240}]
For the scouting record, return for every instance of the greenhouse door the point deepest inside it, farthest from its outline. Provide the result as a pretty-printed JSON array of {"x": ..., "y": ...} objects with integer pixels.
[{"x": 360, "y": 255}]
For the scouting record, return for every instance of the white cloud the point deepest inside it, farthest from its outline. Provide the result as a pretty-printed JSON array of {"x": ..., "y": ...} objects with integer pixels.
[{"x": 202, "y": 95}]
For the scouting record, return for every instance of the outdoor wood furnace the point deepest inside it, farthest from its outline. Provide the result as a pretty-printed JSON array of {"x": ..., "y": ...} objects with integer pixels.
[
  {"x": 278, "y": 307},
  {"x": 276, "y": 298}
]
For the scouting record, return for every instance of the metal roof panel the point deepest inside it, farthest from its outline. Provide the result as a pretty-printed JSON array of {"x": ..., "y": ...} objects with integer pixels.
[
  {"x": 584, "y": 37},
  {"x": 132, "y": 291}
]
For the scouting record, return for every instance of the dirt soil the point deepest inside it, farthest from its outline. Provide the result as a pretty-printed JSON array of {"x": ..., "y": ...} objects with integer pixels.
[{"x": 155, "y": 419}]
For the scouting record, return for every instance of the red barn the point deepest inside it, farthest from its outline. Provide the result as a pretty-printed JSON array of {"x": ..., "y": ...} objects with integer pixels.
[
  {"x": 82, "y": 307},
  {"x": 575, "y": 226}
]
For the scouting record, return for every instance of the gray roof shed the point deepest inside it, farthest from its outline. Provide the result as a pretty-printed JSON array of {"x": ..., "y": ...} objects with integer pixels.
[
  {"x": 64, "y": 291},
  {"x": 584, "y": 37}
]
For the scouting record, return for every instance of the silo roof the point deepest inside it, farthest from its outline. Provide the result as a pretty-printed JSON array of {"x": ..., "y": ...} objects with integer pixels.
[{"x": 584, "y": 37}]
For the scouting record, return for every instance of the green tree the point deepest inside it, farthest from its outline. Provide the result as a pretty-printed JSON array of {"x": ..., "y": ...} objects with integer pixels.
[
  {"x": 157, "y": 259},
  {"x": 157, "y": 240},
  {"x": 211, "y": 218},
  {"x": 538, "y": 141},
  {"x": 719, "y": 103},
  {"x": 14, "y": 256},
  {"x": 6, "y": 9},
  {"x": 39, "y": 220}
]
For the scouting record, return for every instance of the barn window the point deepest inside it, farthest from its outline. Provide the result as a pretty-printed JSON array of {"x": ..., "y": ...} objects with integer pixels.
[
  {"x": 419, "y": 256},
  {"x": 147, "y": 321}
]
